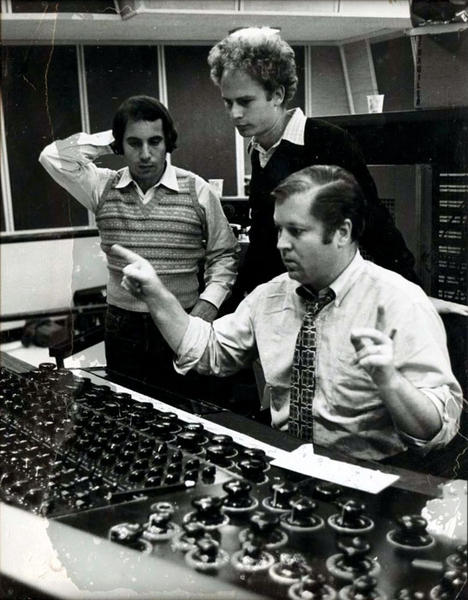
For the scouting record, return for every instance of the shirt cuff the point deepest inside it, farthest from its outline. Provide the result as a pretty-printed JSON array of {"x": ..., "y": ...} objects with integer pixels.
[
  {"x": 215, "y": 293},
  {"x": 102, "y": 138}
]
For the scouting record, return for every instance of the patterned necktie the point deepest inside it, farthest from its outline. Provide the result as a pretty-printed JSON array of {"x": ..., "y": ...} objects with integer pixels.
[{"x": 303, "y": 371}]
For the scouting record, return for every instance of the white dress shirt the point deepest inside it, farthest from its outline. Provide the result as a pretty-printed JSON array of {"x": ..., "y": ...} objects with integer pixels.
[{"x": 348, "y": 411}]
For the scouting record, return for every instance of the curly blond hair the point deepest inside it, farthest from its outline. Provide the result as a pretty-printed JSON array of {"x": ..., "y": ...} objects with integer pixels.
[{"x": 262, "y": 54}]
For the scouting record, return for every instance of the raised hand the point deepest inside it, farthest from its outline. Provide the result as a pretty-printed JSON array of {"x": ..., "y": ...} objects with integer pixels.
[
  {"x": 139, "y": 277},
  {"x": 374, "y": 350}
]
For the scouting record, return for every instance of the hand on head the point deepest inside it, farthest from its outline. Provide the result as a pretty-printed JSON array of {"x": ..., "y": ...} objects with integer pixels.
[
  {"x": 139, "y": 277},
  {"x": 374, "y": 349}
]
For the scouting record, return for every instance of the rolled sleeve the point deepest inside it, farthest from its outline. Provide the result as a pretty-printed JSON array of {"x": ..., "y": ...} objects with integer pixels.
[
  {"x": 70, "y": 163},
  {"x": 219, "y": 348},
  {"x": 222, "y": 248},
  {"x": 423, "y": 360},
  {"x": 449, "y": 405},
  {"x": 193, "y": 345}
]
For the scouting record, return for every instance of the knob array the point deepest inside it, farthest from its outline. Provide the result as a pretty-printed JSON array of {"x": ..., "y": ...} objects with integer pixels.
[{"x": 67, "y": 444}]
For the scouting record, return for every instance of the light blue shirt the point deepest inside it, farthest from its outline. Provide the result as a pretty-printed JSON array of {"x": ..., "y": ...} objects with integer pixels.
[{"x": 348, "y": 411}]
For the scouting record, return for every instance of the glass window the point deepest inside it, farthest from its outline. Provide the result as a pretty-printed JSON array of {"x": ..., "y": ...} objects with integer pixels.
[
  {"x": 41, "y": 104},
  {"x": 206, "y": 143},
  {"x": 63, "y": 6},
  {"x": 394, "y": 71},
  {"x": 113, "y": 73}
]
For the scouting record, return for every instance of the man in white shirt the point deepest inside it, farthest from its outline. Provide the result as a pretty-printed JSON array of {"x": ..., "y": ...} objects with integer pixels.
[
  {"x": 382, "y": 382},
  {"x": 169, "y": 215}
]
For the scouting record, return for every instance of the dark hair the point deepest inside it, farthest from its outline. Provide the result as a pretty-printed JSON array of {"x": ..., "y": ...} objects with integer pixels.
[
  {"x": 260, "y": 52},
  {"x": 142, "y": 108},
  {"x": 336, "y": 196}
]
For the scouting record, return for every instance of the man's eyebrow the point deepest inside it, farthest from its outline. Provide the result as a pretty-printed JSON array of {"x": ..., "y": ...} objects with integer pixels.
[
  {"x": 244, "y": 97},
  {"x": 152, "y": 137},
  {"x": 296, "y": 224}
]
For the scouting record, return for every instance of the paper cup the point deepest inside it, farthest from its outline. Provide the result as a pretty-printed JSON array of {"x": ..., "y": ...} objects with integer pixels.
[{"x": 375, "y": 103}]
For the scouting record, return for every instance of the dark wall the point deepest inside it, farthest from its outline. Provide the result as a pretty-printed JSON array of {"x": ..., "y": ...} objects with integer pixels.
[
  {"x": 41, "y": 103},
  {"x": 113, "y": 73},
  {"x": 206, "y": 143},
  {"x": 394, "y": 71}
]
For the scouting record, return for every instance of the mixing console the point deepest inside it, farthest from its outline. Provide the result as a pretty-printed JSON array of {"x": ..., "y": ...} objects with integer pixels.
[
  {"x": 144, "y": 478},
  {"x": 69, "y": 445}
]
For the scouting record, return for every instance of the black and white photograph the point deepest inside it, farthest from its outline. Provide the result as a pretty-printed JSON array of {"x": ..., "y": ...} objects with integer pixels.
[{"x": 233, "y": 299}]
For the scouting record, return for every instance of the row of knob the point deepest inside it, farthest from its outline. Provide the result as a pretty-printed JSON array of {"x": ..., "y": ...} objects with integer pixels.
[
  {"x": 108, "y": 409},
  {"x": 200, "y": 538}
]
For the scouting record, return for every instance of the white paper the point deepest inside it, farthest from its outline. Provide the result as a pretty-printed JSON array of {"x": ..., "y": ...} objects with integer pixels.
[{"x": 303, "y": 460}]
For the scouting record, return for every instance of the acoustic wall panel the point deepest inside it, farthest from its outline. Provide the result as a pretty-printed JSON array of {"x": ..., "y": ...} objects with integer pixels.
[
  {"x": 359, "y": 74},
  {"x": 328, "y": 89}
]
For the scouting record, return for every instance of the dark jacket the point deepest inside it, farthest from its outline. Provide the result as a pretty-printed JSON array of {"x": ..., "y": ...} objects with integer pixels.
[{"x": 324, "y": 144}]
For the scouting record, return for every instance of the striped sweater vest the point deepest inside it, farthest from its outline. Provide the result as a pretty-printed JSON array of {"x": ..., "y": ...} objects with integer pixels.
[{"x": 168, "y": 231}]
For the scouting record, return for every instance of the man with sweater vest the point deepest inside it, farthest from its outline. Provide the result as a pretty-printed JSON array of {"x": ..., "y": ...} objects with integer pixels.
[{"x": 169, "y": 215}]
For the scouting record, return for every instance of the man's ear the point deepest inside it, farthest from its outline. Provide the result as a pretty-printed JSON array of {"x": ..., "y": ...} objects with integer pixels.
[
  {"x": 278, "y": 95},
  {"x": 344, "y": 233}
]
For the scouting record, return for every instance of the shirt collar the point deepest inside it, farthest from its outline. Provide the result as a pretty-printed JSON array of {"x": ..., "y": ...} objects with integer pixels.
[
  {"x": 295, "y": 128},
  {"x": 168, "y": 179},
  {"x": 294, "y": 132},
  {"x": 341, "y": 285},
  {"x": 345, "y": 280}
]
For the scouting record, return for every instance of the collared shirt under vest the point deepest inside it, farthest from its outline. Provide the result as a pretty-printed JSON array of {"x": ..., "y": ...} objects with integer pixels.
[{"x": 168, "y": 231}]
